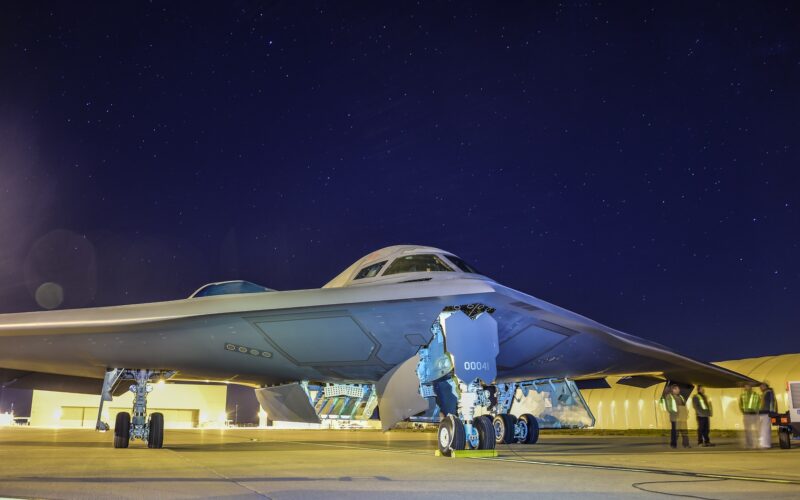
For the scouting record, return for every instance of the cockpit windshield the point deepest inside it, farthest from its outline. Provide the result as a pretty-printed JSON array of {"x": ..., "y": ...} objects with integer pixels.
[
  {"x": 461, "y": 264},
  {"x": 416, "y": 264},
  {"x": 370, "y": 271}
]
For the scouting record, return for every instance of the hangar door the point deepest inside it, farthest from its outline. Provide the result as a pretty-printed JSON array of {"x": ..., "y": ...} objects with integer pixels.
[
  {"x": 173, "y": 418},
  {"x": 86, "y": 416},
  {"x": 74, "y": 416}
]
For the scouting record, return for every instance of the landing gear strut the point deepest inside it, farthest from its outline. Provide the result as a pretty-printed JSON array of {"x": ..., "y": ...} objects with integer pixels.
[
  {"x": 458, "y": 368},
  {"x": 455, "y": 369},
  {"x": 136, "y": 424}
]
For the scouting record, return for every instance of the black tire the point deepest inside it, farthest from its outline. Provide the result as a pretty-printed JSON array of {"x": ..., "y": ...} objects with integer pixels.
[
  {"x": 531, "y": 425},
  {"x": 504, "y": 428},
  {"x": 485, "y": 428},
  {"x": 451, "y": 435},
  {"x": 155, "y": 437},
  {"x": 122, "y": 430},
  {"x": 784, "y": 438}
]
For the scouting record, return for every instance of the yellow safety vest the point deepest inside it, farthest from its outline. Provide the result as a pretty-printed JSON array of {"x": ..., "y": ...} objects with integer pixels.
[
  {"x": 672, "y": 402},
  {"x": 702, "y": 401},
  {"x": 750, "y": 402}
]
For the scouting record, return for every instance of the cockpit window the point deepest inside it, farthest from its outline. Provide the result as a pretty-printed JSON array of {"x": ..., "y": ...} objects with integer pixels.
[
  {"x": 416, "y": 264},
  {"x": 461, "y": 264},
  {"x": 370, "y": 271}
]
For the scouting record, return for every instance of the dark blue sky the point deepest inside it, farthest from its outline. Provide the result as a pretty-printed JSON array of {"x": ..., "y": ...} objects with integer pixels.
[{"x": 636, "y": 163}]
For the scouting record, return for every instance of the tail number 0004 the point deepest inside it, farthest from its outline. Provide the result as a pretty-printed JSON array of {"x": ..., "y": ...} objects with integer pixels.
[{"x": 476, "y": 365}]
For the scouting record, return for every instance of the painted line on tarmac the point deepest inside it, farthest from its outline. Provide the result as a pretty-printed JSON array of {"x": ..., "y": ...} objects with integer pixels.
[
  {"x": 411, "y": 451},
  {"x": 621, "y": 468},
  {"x": 193, "y": 463},
  {"x": 618, "y": 468}
]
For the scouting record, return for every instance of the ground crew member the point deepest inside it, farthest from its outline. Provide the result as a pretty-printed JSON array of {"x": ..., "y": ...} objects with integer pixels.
[
  {"x": 768, "y": 408},
  {"x": 750, "y": 405},
  {"x": 703, "y": 411},
  {"x": 676, "y": 406}
]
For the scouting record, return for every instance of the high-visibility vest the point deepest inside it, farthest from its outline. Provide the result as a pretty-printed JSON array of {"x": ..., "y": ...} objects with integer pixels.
[
  {"x": 702, "y": 400},
  {"x": 750, "y": 402},
  {"x": 672, "y": 402}
]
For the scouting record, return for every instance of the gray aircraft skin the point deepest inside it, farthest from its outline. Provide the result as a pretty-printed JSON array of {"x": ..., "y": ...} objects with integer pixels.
[{"x": 354, "y": 329}]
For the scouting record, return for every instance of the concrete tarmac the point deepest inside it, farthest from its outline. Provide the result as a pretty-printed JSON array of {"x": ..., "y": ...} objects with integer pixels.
[{"x": 289, "y": 464}]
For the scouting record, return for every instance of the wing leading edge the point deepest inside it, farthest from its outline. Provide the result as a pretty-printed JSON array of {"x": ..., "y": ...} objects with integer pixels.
[
  {"x": 537, "y": 339},
  {"x": 540, "y": 340}
]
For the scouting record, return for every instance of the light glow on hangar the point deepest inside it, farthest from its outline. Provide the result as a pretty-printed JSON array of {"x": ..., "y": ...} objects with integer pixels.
[{"x": 184, "y": 406}]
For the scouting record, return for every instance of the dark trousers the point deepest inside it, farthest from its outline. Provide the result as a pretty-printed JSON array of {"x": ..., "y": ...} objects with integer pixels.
[
  {"x": 702, "y": 430},
  {"x": 679, "y": 427}
]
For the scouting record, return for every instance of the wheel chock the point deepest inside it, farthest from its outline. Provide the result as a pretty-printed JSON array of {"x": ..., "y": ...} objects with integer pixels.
[{"x": 469, "y": 453}]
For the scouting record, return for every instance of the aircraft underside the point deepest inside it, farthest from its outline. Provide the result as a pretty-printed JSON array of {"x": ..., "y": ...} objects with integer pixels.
[
  {"x": 450, "y": 375},
  {"x": 494, "y": 363},
  {"x": 454, "y": 373}
]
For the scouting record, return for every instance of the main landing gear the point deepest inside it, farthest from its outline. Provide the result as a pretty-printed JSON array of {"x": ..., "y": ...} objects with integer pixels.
[
  {"x": 462, "y": 429},
  {"x": 136, "y": 424},
  {"x": 510, "y": 429},
  {"x": 451, "y": 435},
  {"x": 458, "y": 368},
  {"x": 507, "y": 427}
]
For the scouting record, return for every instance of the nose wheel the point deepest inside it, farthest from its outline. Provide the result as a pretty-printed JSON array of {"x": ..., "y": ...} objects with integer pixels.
[
  {"x": 137, "y": 424},
  {"x": 451, "y": 436},
  {"x": 122, "y": 430},
  {"x": 155, "y": 436}
]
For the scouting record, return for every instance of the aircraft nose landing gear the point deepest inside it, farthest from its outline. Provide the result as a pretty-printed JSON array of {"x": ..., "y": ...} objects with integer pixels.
[
  {"x": 154, "y": 431},
  {"x": 134, "y": 425}
]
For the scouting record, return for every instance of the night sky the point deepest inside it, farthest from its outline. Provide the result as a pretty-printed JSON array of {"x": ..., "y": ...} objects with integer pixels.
[{"x": 636, "y": 163}]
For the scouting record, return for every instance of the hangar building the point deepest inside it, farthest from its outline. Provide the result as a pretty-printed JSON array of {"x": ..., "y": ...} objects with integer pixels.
[
  {"x": 626, "y": 407},
  {"x": 183, "y": 405},
  {"x": 618, "y": 407}
]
